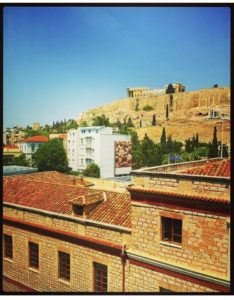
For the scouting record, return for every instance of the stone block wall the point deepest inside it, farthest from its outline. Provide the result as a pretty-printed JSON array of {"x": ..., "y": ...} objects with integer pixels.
[
  {"x": 46, "y": 278},
  {"x": 145, "y": 280},
  {"x": 205, "y": 239},
  {"x": 183, "y": 185},
  {"x": 102, "y": 233}
]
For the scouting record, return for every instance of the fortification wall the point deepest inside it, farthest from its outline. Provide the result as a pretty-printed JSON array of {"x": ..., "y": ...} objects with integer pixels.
[{"x": 205, "y": 98}]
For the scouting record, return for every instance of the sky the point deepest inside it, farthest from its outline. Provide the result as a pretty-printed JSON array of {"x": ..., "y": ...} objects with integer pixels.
[{"x": 60, "y": 61}]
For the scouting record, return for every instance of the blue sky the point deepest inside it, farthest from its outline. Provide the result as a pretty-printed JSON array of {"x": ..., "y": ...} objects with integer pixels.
[{"x": 60, "y": 61}]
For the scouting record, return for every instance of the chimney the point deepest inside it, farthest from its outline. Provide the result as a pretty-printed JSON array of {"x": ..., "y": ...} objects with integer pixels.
[
  {"x": 104, "y": 196},
  {"x": 74, "y": 180}
]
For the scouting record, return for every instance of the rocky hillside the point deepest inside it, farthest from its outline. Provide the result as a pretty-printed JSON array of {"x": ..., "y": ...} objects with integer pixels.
[{"x": 188, "y": 113}]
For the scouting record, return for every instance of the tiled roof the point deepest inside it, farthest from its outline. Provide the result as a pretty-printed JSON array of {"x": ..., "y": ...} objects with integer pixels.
[
  {"x": 62, "y": 136},
  {"x": 177, "y": 195},
  {"x": 91, "y": 198},
  {"x": 217, "y": 169},
  {"x": 11, "y": 147},
  {"x": 116, "y": 210},
  {"x": 55, "y": 177},
  {"x": 36, "y": 139}
]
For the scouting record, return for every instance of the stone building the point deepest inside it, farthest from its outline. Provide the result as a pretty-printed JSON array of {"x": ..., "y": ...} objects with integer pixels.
[{"x": 60, "y": 236}]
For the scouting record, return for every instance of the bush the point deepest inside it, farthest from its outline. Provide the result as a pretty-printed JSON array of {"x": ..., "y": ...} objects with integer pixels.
[
  {"x": 147, "y": 108},
  {"x": 92, "y": 170}
]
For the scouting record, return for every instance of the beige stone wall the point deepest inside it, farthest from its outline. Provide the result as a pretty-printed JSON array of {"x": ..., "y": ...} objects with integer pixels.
[
  {"x": 145, "y": 280},
  {"x": 183, "y": 185},
  {"x": 104, "y": 233},
  {"x": 204, "y": 245},
  {"x": 46, "y": 278},
  {"x": 109, "y": 185}
]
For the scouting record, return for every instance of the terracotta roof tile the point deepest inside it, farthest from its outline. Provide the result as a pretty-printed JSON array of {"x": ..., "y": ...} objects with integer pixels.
[
  {"x": 177, "y": 195},
  {"x": 11, "y": 147},
  {"x": 217, "y": 169},
  {"x": 36, "y": 138},
  {"x": 54, "y": 197},
  {"x": 55, "y": 177}
]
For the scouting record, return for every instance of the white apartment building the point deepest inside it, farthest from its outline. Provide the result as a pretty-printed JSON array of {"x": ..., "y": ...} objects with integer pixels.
[{"x": 99, "y": 145}]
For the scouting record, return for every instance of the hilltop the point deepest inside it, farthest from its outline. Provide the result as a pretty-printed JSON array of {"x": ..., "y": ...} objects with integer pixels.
[{"x": 189, "y": 112}]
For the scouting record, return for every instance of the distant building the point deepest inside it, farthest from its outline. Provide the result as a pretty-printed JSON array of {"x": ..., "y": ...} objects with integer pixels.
[
  {"x": 99, "y": 145},
  {"x": 10, "y": 152},
  {"x": 12, "y": 136},
  {"x": 36, "y": 126},
  {"x": 31, "y": 144},
  {"x": 179, "y": 88},
  {"x": 62, "y": 136},
  {"x": 137, "y": 92}
]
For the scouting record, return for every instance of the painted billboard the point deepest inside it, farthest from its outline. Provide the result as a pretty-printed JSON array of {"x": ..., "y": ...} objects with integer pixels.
[{"x": 123, "y": 154}]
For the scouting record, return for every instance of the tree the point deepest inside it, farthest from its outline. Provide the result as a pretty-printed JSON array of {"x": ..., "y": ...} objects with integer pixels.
[
  {"x": 148, "y": 107},
  {"x": 51, "y": 156},
  {"x": 163, "y": 141},
  {"x": 129, "y": 123},
  {"x": 92, "y": 170},
  {"x": 213, "y": 147},
  {"x": 215, "y": 85},
  {"x": 21, "y": 160},
  {"x": 83, "y": 124},
  {"x": 101, "y": 121},
  {"x": 154, "y": 120},
  {"x": 197, "y": 141},
  {"x": 170, "y": 89},
  {"x": 147, "y": 148},
  {"x": 167, "y": 112},
  {"x": 188, "y": 145},
  {"x": 137, "y": 105}
]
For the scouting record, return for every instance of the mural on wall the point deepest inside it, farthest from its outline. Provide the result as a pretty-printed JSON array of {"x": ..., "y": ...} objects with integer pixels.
[{"x": 123, "y": 154}]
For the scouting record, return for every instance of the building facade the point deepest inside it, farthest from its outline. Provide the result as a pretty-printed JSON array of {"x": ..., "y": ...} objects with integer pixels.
[
  {"x": 12, "y": 136},
  {"x": 99, "y": 145},
  {"x": 60, "y": 237},
  {"x": 31, "y": 144}
]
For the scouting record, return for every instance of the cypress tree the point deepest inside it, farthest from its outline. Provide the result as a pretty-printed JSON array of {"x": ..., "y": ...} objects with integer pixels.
[
  {"x": 154, "y": 120},
  {"x": 213, "y": 147},
  {"x": 167, "y": 112},
  {"x": 163, "y": 141}
]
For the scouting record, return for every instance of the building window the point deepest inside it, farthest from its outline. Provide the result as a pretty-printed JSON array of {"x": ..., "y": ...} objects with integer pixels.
[
  {"x": 33, "y": 253},
  {"x": 64, "y": 265},
  {"x": 100, "y": 278},
  {"x": 33, "y": 147},
  {"x": 171, "y": 230},
  {"x": 8, "y": 246}
]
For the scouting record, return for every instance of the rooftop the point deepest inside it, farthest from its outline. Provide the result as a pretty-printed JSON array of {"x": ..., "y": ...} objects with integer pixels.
[
  {"x": 54, "y": 177},
  {"x": 215, "y": 167},
  {"x": 14, "y": 170},
  {"x": 36, "y": 139},
  {"x": 11, "y": 147},
  {"x": 56, "y": 197}
]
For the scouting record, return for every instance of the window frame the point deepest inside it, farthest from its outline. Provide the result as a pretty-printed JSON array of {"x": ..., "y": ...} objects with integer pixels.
[
  {"x": 33, "y": 257},
  {"x": 63, "y": 273},
  {"x": 8, "y": 247},
  {"x": 168, "y": 227},
  {"x": 98, "y": 267}
]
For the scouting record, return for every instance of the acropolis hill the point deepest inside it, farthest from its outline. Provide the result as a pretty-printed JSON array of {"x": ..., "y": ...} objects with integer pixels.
[{"x": 189, "y": 112}]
